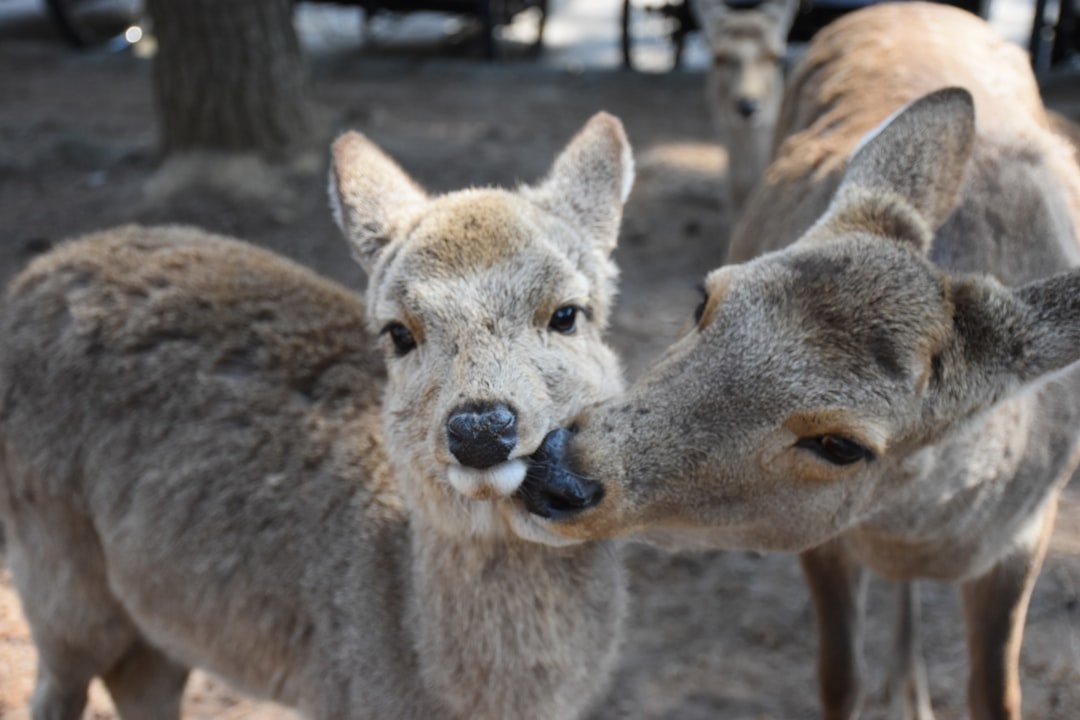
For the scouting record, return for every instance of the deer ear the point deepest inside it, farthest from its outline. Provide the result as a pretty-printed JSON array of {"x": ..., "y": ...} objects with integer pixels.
[
  {"x": 710, "y": 16},
  {"x": 369, "y": 195},
  {"x": 1004, "y": 338},
  {"x": 903, "y": 179},
  {"x": 591, "y": 179},
  {"x": 783, "y": 14}
]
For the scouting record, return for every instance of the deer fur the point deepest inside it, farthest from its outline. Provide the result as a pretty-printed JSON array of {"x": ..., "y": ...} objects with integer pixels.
[
  {"x": 745, "y": 83},
  {"x": 884, "y": 380},
  {"x": 211, "y": 457}
]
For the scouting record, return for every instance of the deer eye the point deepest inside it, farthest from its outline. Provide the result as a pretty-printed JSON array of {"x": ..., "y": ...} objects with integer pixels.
[
  {"x": 564, "y": 320},
  {"x": 403, "y": 340},
  {"x": 836, "y": 449}
]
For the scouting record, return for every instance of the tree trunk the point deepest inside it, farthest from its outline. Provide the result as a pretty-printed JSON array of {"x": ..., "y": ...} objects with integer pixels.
[{"x": 228, "y": 76}]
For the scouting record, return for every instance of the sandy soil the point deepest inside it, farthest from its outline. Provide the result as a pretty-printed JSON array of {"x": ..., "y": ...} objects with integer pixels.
[{"x": 710, "y": 635}]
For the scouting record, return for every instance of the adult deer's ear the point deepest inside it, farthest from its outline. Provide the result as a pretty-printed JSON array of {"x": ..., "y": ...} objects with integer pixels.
[
  {"x": 591, "y": 179},
  {"x": 1004, "y": 338},
  {"x": 369, "y": 195},
  {"x": 904, "y": 178}
]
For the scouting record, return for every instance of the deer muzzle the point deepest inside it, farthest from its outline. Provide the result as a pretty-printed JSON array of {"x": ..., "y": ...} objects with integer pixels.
[{"x": 552, "y": 489}]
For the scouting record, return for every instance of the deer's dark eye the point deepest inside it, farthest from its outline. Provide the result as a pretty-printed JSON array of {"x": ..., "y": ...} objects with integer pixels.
[
  {"x": 699, "y": 311},
  {"x": 564, "y": 319},
  {"x": 836, "y": 449},
  {"x": 403, "y": 340}
]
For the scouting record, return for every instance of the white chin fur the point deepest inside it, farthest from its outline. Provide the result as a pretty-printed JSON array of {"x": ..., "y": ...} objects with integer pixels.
[
  {"x": 528, "y": 527},
  {"x": 504, "y": 478}
]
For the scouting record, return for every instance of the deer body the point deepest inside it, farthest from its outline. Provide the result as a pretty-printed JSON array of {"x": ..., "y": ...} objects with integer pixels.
[
  {"x": 172, "y": 372},
  {"x": 745, "y": 84},
  {"x": 883, "y": 380},
  {"x": 205, "y": 463}
]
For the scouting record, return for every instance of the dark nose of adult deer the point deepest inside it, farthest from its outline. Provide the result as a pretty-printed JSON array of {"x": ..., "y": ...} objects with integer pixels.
[
  {"x": 551, "y": 488},
  {"x": 747, "y": 107},
  {"x": 481, "y": 434}
]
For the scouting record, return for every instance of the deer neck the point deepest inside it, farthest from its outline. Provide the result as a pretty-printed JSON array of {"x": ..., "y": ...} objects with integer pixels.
[
  {"x": 507, "y": 628},
  {"x": 749, "y": 148}
]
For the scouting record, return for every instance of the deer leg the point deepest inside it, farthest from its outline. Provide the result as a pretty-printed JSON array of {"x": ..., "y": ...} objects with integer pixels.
[
  {"x": 79, "y": 627},
  {"x": 909, "y": 695},
  {"x": 57, "y": 698},
  {"x": 837, "y": 586},
  {"x": 995, "y": 606},
  {"x": 145, "y": 684}
]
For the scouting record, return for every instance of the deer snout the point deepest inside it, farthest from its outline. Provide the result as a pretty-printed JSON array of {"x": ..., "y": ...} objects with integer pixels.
[
  {"x": 481, "y": 435},
  {"x": 553, "y": 490},
  {"x": 747, "y": 107}
]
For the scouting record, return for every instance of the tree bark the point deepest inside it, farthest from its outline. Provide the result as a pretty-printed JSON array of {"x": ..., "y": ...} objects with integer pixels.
[{"x": 228, "y": 76}]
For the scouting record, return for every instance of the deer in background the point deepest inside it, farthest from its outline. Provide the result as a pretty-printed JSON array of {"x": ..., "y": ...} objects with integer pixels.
[
  {"x": 745, "y": 83},
  {"x": 211, "y": 457},
  {"x": 885, "y": 380}
]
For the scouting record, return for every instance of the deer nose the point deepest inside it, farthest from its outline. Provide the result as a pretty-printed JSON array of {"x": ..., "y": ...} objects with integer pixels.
[
  {"x": 481, "y": 435},
  {"x": 747, "y": 107},
  {"x": 552, "y": 489}
]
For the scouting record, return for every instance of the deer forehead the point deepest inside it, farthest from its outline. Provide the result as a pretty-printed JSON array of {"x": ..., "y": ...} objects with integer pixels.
[
  {"x": 865, "y": 275},
  {"x": 521, "y": 287},
  {"x": 472, "y": 230},
  {"x": 867, "y": 312},
  {"x": 753, "y": 32}
]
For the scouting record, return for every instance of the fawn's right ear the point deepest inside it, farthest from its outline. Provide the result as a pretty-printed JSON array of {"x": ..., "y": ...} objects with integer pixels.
[{"x": 369, "y": 193}]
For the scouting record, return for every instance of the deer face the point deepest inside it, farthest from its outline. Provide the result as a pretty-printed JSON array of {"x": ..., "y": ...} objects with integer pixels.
[
  {"x": 490, "y": 306},
  {"x": 815, "y": 379},
  {"x": 746, "y": 79}
]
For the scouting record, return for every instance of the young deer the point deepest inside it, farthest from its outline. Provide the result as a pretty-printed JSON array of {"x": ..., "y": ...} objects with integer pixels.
[
  {"x": 745, "y": 83},
  {"x": 195, "y": 469},
  {"x": 890, "y": 388}
]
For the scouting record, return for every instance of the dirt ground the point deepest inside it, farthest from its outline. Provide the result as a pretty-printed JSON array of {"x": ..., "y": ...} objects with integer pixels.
[{"x": 712, "y": 635}]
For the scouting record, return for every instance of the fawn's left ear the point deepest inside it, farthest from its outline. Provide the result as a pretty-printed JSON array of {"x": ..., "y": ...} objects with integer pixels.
[
  {"x": 1004, "y": 338},
  {"x": 591, "y": 179},
  {"x": 904, "y": 178},
  {"x": 710, "y": 16},
  {"x": 369, "y": 193}
]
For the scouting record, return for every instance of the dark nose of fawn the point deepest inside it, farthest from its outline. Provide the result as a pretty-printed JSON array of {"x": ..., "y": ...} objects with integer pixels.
[
  {"x": 481, "y": 435},
  {"x": 747, "y": 107}
]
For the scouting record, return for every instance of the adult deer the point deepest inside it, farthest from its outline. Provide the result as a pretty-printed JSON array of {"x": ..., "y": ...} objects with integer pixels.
[{"x": 883, "y": 378}]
